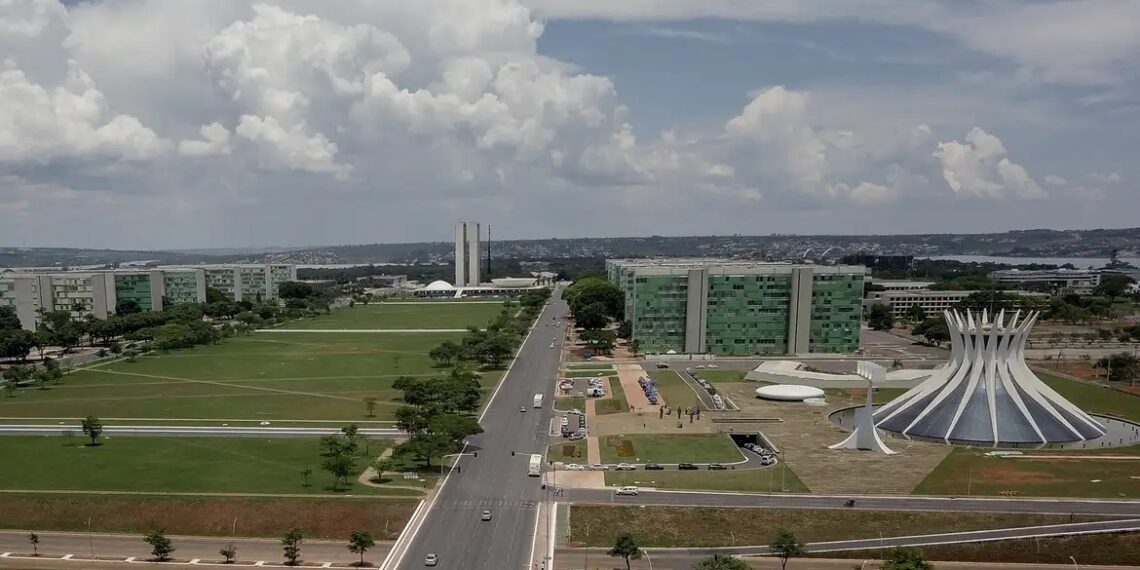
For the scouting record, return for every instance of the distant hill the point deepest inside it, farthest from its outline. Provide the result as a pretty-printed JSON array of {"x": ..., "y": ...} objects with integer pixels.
[{"x": 1029, "y": 243}]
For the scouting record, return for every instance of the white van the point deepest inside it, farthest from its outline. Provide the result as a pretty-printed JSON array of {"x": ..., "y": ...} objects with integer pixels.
[{"x": 538, "y": 400}]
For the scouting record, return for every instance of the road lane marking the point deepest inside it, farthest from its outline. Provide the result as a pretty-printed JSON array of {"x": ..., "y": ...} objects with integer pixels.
[
  {"x": 195, "y": 560},
  {"x": 259, "y": 563},
  {"x": 5, "y": 555},
  {"x": 67, "y": 556},
  {"x": 533, "y": 538},
  {"x": 130, "y": 559},
  {"x": 326, "y": 565}
]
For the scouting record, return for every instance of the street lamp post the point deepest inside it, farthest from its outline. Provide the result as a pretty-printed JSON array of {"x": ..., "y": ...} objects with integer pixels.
[
  {"x": 1075, "y": 566},
  {"x": 648, "y": 558}
]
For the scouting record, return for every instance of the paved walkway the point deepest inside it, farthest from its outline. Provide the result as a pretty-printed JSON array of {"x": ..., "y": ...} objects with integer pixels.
[{"x": 634, "y": 395}]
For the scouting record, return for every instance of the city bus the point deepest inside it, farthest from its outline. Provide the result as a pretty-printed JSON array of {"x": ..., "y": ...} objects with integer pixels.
[{"x": 535, "y": 467}]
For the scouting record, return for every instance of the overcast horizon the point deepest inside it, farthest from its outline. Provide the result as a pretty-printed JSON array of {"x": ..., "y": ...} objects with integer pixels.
[{"x": 197, "y": 124}]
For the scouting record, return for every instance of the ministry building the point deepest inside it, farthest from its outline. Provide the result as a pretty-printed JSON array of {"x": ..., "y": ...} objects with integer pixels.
[{"x": 740, "y": 308}]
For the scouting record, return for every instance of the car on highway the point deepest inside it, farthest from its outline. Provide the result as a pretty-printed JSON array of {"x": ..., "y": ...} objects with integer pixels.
[
  {"x": 653, "y": 467},
  {"x": 574, "y": 467},
  {"x": 552, "y": 345},
  {"x": 625, "y": 467},
  {"x": 522, "y": 409},
  {"x": 626, "y": 491},
  {"x": 486, "y": 515},
  {"x": 431, "y": 560},
  {"x": 687, "y": 467},
  {"x": 717, "y": 467}
]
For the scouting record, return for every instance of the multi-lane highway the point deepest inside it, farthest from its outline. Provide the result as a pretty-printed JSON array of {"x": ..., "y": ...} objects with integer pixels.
[
  {"x": 876, "y": 503},
  {"x": 495, "y": 480},
  {"x": 192, "y": 431}
]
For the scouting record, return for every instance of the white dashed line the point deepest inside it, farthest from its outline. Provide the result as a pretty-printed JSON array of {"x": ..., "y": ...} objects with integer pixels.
[{"x": 67, "y": 556}]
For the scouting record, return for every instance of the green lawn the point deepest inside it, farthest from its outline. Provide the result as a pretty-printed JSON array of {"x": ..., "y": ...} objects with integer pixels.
[
  {"x": 318, "y": 376},
  {"x": 716, "y": 376},
  {"x": 1095, "y": 399},
  {"x": 615, "y": 402},
  {"x": 585, "y": 373},
  {"x": 592, "y": 366},
  {"x": 414, "y": 316},
  {"x": 675, "y": 391},
  {"x": 176, "y": 464},
  {"x": 702, "y": 448},
  {"x": 759, "y": 481},
  {"x": 567, "y": 403},
  {"x": 569, "y": 452},
  {"x": 970, "y": 472}
]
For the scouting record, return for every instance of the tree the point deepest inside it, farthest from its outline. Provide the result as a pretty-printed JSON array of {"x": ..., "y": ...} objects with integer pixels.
[
  {"x": 339, "y": 458},
  {"x": 721, "y": 562},
  {"x": 9, "y": 321},
  {"x": 591, "y": 317},
  {"x": 16, "y": 344},
  {"x": 1113, "y": 286},
  {"x": 359, "y": 543},
  {"x": 41, "y": 340},
  {"x": 915, "y": 313},
  {"x": 905, "y": 559},
  {"x": 496, "y": 349},
  {"x": 786, "y": 546},
  {"x": 295, "y": 290},
  {"x": 1120, "y": 367},
  {"x": 92, "y": 428},
  {"x": 229, "y": 552},
  {"x": 160, "y": 544},
  {"x": 53, "y": 369},
  {"x": 291, "y": 545},
  {"x": 381, "y": 465},
  {"x": 370, "y": 406},
  {"x": 880, "y": 318},
  {"x": 34, "y": 540},
  {"x": 215, "y": 295},
  {"x": 625, "y": 547},
  {"x": 127, "y": 307},
  {"x": 933, "y": 330},
  {"x": 445, "y": 353},
  {"x": 305, "y": 473},
  {"x": 625, "y": 329}
]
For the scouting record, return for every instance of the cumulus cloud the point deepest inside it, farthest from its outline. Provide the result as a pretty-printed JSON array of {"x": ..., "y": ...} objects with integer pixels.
[
  {"x": 1106, "y": 178},
  {"x": 980, "y": 167},
  {"x": 39, "y": 124},
  {"x": 215, "y": 141}
]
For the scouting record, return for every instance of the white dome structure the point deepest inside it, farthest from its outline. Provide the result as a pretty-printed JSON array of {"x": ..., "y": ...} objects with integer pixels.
[
  {"x": 986, "y": 394},
  {"x": 439, "y": 285},
  {"x": 788, "y": 392},
  {"x": 513, "y": 282}
]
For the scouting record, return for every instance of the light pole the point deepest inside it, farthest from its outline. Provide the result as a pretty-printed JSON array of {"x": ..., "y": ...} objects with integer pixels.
[
  {"x": 1075, "y": 566},
  {"x": 648, "y": 558}
]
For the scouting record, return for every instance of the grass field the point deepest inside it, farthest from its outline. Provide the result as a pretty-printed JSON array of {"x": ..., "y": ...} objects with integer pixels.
[
  {"x": 411, "y": 316},
  {"x": 176, "y": 464},
  {"x": 1095, "y": 399},
  {"x": 585, "y": 373},
  {"x": 318, "y": 376},
  {"x": 702, "y": 448},
  {"x": 716, "y": 376},
  {"x": 269, "y": 517},
  {"x": 759, "y": 481},
  {"x": 674, "y": 389},
  {"x": 709, "y": 527},
  {"x": 1121, "y": 549},
  {"x": 569, "y": 452},
  {"x": 614, "y": 402},
  {"x": 592, "y": 366},
  {"x": 567, "y": 403}
]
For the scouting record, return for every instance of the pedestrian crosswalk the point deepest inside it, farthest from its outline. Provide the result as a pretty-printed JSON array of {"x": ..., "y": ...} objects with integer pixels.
[{"x": 488, "y": 503}]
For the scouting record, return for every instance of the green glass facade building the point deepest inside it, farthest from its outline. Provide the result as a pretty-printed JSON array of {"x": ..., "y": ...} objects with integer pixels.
[{"x": 740, "y": 308}]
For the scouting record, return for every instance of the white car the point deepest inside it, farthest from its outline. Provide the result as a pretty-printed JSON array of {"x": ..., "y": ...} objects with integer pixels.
[
  {"x": 573, "y": 467},
  {"x": 565, "y": 420},
  {"x": 431, "y": 560},
  {"x": 768, "y": 460},
  {"x": 625, "y": 467},
  {"x": 597, "y": 467},
  {"x": 626, "y": 491}
]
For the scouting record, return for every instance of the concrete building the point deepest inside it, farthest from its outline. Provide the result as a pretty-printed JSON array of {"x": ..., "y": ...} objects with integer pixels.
[
  {"x": 467, "y": 254},
  {"x": 1077, "y": 281},
  {"x": 900, "y": 285},
  {"x": 731, "y": 307},
  {"x": 931, "y": 302},
  {"x": 97, "y": 293}
]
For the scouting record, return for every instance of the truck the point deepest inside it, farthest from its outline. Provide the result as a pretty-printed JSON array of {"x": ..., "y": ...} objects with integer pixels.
[
  {"x": 534, "y": 469},
  {"x": 538, "y": 400}
]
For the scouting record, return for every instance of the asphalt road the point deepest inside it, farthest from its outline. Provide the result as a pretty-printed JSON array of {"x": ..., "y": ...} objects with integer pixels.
[
  {"x": 904, "y": 503},
  {"x": 495, "y": 480},
  {"x": 251, "y": 550},
  {"x": 192, "y": 431}
]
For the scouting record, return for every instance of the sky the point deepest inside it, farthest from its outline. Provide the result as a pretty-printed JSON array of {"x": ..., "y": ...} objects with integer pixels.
[{"x": 152, "y": 124}]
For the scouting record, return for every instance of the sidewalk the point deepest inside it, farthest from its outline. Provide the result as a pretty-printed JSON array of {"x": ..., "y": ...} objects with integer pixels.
[{"x": 634, "y": 395}]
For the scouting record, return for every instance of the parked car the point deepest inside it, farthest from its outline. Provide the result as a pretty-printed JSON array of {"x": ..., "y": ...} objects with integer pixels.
[
  {"x": 486, "y": 515},
  {"x": 662, "y": 365},
  {"x": 565, "y": 420},
  {"x": 653, "y": 467},
  {"x": 713, "y": 366},
  {"x": 768, "y": 460},
  {"x": 687, "y": 467},
  {"x": 597, "y": 467},
  {"x": 717, "y": 467},
  {"x": 573, "y": 467},
  {"x": 577, "y": 435},
  {"x": 626, "y": 491},
  {"x": 625, "y": 467}
]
